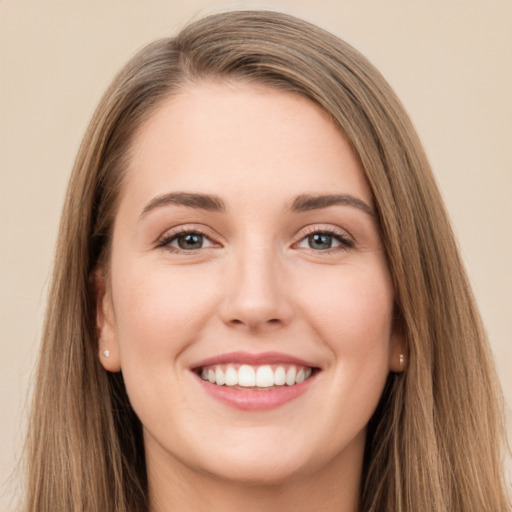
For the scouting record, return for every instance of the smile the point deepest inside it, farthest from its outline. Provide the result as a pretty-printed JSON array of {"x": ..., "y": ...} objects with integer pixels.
[
  {"x": 255, "y": 382},
  {"x": 264, "y": 377}
]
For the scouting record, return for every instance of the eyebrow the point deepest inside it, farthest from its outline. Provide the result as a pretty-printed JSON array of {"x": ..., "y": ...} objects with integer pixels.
[
  {"x": 206, "y": 202},
  {"x": 212, "y": 203},
  {"x": 307, "y": 202}
]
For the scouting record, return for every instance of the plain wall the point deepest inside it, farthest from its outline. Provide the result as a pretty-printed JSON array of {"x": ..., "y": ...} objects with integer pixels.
[{"x": 449, "y": 61}]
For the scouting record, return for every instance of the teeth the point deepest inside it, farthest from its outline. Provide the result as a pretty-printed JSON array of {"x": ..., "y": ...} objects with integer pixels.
[
  {"x": 231, "y": 376},
  {"x": 220, "y": 378},
  {"x": 280, "y": 376},
  {"x": 290, "y": 375},
  {"x": 265, "y": 376},
  {"x": 246, "y": 376}
]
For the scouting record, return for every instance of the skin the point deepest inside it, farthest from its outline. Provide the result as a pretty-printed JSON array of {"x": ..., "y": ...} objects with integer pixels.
[{"x": 256, "y": 285}]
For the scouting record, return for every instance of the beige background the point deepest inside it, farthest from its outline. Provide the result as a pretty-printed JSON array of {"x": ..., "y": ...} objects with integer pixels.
[{"x": 449, "y": 61}]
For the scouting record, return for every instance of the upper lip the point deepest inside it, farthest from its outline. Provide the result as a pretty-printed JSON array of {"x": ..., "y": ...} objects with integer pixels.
[{"x": 253, "y": 359}]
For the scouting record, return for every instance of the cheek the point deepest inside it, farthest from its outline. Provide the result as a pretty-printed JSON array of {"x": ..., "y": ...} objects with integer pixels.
[
  {"x": 351, "y": 309},
  {"x": 159, "y": 309},
  {"x": 353, "y": 318}
]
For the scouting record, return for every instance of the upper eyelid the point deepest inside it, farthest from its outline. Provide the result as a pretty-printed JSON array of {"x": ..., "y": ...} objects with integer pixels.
[
  {"x": 323, "y": 228},
  {"x": 189, "y": 228}
]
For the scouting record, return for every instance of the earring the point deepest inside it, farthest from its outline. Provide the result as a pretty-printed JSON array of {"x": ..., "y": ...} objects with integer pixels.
[
  {"x": 402, "y": 361},
  {"x": 106, "y": 353}
]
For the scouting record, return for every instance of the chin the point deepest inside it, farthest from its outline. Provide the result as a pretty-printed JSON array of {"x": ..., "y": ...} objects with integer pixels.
[
  {"x": 262, "y": 463},
  {"x": 256, "y": 473}
]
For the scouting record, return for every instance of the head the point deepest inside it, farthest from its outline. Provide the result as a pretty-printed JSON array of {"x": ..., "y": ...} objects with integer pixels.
[{"x": 411, "y": 439}]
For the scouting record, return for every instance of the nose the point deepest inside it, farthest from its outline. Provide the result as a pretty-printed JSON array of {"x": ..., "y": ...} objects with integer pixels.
[{"x": 257, "y": 297}]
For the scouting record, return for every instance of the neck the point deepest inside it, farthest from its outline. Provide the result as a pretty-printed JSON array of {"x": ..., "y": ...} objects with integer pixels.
[{"x": 332, "y": 488}]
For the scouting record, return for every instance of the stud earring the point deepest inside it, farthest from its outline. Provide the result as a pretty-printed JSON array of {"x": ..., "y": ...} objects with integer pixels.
[
  {"x": 106, "y": 353},
  {"x": 402, "y": 361}
]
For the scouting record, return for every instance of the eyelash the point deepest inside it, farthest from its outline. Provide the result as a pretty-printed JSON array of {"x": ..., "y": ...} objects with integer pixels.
[
  {"x": 168, "y": 238},
  {"x": 340, "y": 236},
  {"x": 346, "y": 243}
]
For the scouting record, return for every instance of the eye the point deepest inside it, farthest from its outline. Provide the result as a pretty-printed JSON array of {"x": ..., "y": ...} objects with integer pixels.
[
  {"x": 325, "y": 240},
  {"x": 190, "y": 241},
  {"x": 186, "y": 241}
]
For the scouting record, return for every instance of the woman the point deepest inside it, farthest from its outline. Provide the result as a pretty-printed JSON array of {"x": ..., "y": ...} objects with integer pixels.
[{"x": 257, "y": 299}]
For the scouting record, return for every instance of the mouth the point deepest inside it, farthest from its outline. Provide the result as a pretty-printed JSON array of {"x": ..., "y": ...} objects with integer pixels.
[
  {"x": 255, "y": 381},
  {"x": 255, "y": 377}
]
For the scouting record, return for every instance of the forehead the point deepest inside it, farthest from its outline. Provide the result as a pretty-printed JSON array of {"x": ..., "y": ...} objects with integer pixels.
[{"x": 215, "y": 137}]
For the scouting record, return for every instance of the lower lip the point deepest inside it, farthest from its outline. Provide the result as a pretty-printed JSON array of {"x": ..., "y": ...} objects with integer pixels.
[{"x": 252, "y": 400}]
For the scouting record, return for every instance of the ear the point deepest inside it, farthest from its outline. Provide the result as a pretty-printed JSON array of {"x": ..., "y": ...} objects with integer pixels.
[
  {"x": 108, "y": 346},
  {"x": 398, "y": 349}
]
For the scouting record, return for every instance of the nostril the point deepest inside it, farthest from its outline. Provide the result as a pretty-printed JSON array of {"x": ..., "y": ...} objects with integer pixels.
[{"x": 273, "y": 321}]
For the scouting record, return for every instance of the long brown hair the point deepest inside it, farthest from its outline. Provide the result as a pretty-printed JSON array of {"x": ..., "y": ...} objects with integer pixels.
[{"x": 434, "y": 442}]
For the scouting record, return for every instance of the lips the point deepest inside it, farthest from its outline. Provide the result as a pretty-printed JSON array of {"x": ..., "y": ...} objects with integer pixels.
[{"x": 255, "y": 381}]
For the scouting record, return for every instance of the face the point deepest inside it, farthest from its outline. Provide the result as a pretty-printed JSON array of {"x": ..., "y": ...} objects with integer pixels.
[{"x": 249, "y": 303}]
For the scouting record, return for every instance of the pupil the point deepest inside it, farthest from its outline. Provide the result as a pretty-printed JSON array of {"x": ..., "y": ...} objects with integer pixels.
[
  {"x": 320, "y": 241},
  {"x": 190, "y": 241}
]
